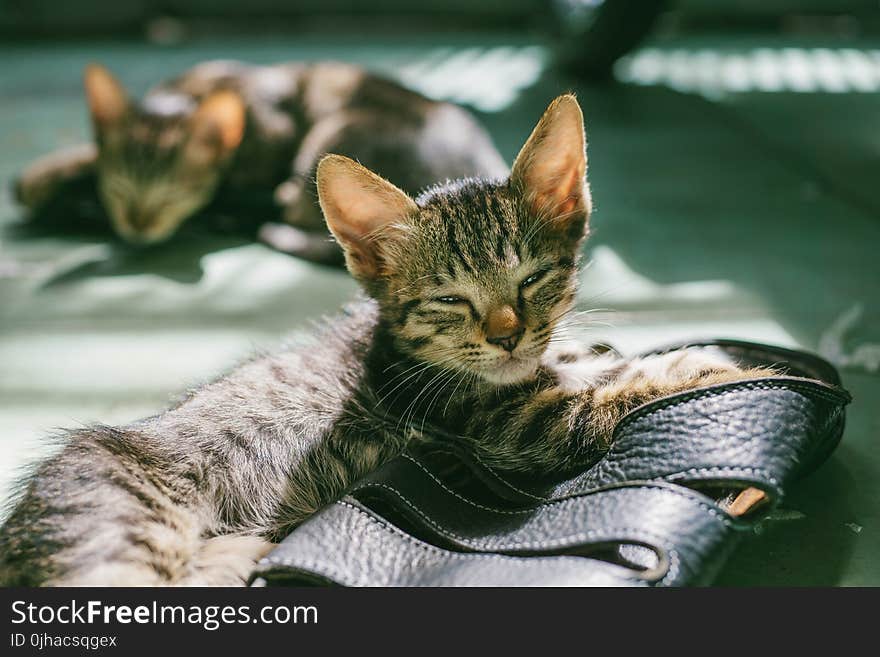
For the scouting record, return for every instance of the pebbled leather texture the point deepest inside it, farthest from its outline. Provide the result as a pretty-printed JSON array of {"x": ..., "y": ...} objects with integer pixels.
[{"x": 641, "y": 516}]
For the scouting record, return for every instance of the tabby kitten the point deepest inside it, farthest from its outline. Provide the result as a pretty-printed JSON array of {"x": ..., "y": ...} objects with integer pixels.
[
  {"x": 466, "y": 286},
  {"x": 227, "y": 131}
]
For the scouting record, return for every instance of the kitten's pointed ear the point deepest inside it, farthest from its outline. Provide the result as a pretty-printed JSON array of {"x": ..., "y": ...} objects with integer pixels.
[
  {"x": 551, "y": 168},
  {"x": 107, "y": 99},
  {"x": 218, "y": 126},
  {"x": 363, "y": 211}
]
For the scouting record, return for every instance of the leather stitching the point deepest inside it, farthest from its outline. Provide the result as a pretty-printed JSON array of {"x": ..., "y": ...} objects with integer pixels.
[
  {"x": 548, "y": 501},
  {"x": 671, "y": 477},
  {"x": 457, "y": 495},
  {"x": 672, "y": 572},
  {"x": 674, "y": 558},
  {"x": 587, "y": 535},
  {"x": 711, "y": 510},
  {"x": 761, "y": 384},
  {"x": 310, "y": 565},
  {"x": 726, "y": 469},
  {"x": 507, "y": 483},
  {"x": 483, "y": 507}
]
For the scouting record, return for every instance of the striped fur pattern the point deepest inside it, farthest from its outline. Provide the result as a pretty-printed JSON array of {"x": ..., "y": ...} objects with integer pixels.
[{"x": 195, "y": 494}]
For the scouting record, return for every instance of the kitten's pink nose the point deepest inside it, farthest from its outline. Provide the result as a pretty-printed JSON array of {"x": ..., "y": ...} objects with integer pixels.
[{"x": 503, "y": 328}]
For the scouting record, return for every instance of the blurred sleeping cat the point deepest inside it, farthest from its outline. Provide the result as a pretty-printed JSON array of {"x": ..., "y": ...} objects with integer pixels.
[
  {"x": 227, "y": 128},
  {"x": 466, "y": 287}
]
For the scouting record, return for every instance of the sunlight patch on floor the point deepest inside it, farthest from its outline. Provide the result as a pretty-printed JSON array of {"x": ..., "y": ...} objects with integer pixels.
[
  {"x": 634, "y": 313},
  {"x": 487, "y": 79},
  {"x": 712, "y": 73}
]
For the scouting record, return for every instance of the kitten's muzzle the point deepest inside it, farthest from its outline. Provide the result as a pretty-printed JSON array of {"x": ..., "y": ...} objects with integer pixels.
[
  {"x": 508, "y": 343},
  {"x": 504, "y": 328}
]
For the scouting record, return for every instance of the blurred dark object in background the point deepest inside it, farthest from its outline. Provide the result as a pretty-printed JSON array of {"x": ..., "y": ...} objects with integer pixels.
[
  {"x": 591, "y": 34},
  {"x": 595, "y": 33}
]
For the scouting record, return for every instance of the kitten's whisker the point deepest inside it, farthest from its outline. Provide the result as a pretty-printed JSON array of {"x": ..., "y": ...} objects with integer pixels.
[
  {"x": 417, "y": 363},
  {"x": 442, "y": 386},
  {"x": 420, "y": 367},
  {"x": 583, "y": 325},
  {"x": 441, "y": 371},
  {"x": 533, "y": 230},
  {"x": 465, "y": 377},
  {"x": 439, "y": 352},
  {"x": 594, "y": 310},
  {"x": 413, "y": 404},
  {"x": 424, "y": 366}
]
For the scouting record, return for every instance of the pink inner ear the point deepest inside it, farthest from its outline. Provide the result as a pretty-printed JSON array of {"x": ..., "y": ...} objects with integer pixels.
[
  {"x": 359, "y": 249},
  {"x": 563, "y": 195},
  {"x": 357, "y": 204},
  {"x": 365, "y": 216},
  {"x": 347, "y": 220}
]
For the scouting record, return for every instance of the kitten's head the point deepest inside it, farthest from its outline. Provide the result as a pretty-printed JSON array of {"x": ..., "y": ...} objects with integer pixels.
[
  {"x": 473, "y": 275},
  {"x": 160, "y": 161}
]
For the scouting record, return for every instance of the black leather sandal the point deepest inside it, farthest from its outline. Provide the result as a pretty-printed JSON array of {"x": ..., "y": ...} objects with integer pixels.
[{"x": 685, "y": 477}]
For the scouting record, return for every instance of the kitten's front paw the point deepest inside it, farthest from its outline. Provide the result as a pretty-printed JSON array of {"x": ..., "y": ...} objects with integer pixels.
[
  {"x": 648, "y": 378},
  {"x": 658, "y": 375},
  {"x": 682, "y": 366},
  {"x": 710, "y": 365},
  {"x": 227, "y": 560}
]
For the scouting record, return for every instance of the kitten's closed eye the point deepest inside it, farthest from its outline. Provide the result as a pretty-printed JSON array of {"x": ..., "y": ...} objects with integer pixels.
[
  {"x": 451, "y": 300},
  {"x": 531, "y": 280}
]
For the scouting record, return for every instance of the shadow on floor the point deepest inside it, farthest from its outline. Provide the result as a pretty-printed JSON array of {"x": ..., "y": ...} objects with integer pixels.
[{"x": 77, "y": 216}]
